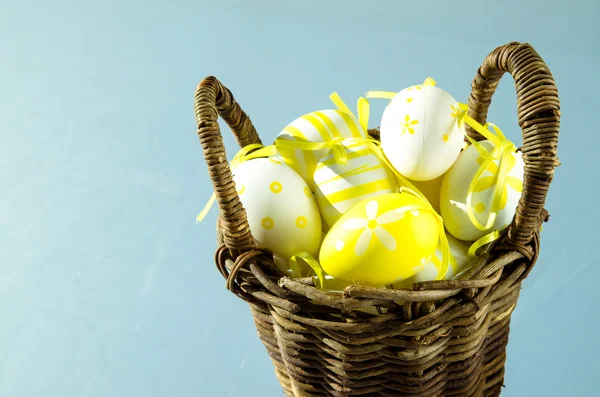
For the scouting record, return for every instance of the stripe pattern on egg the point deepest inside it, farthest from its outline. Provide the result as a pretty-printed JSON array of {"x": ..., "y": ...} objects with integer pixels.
[
  {"x": 319, "y": 126},
  {"x": 338, "y": 187}
]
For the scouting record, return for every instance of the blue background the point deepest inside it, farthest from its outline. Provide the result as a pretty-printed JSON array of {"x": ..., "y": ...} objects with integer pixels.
[{"x": 107, "y": 284}]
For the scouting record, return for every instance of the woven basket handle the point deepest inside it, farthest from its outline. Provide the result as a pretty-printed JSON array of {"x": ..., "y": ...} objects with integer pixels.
[
  {"x": 211, "y": 100},
  {"x": 539, "y": 119}
]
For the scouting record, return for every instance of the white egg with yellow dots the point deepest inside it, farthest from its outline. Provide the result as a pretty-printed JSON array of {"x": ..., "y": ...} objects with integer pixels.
[
  {"x": 339, "y": 185},
  {"x": 455, "y": 192},
  {"x": 281, "y": 210},
  {"x": 319, "y": 126},
  {"x": 420, "y": 132}
]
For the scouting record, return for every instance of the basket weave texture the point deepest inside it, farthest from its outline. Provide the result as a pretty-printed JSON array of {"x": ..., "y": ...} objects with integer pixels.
[{"x": 448, "y": 338}]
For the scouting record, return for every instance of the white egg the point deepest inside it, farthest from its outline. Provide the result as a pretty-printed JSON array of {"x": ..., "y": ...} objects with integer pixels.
[
  {"x": 420, "y": 134},
  {"x": 458, "y": 261},
  {"x": 338, "y": 187},
  {"x": 455, "y": 186},
  {"x": 281, "y": 210},
  {"x": 319, "y": 126}
]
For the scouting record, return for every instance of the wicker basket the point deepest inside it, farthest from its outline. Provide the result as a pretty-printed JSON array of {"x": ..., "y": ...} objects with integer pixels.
[{"x": 449, "y": 337}]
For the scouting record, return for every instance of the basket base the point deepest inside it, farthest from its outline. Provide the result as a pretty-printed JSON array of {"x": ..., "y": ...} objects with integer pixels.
[{"x": 466, "y": 360}]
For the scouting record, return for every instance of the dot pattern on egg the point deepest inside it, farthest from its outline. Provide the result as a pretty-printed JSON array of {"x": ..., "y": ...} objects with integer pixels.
[
  {"x": 301, "y": 222},
  {"x": 276, "y": 187},
  {"x": 267, "y": 223}
]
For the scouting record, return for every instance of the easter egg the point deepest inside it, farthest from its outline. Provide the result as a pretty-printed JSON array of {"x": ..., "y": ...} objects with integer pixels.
[
  {"x": 281, "y": 210},
  {"x": 420, "y": 133},
  {"x": 338, "y": 187},
  {"x": 380, "y": 241},
  {"x": 431, "y": 190},
  {"x": 458, "y": 261},
  {"x": 455, "y": 186},
  {"x": 320, "y": 126}
]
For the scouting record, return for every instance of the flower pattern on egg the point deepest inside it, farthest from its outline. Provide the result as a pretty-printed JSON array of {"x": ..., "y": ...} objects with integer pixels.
[
  {"x": 407, "y": 125},
  {"x": 371, "y": 225}
]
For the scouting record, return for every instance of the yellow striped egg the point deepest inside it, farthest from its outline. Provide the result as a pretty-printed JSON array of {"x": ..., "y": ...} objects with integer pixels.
[
  {"x": 338, "y": 187},
  {"x": 320, "y": 126},
  {"x": 458, "y": 261},
  {"x": 380, "y": 241}
]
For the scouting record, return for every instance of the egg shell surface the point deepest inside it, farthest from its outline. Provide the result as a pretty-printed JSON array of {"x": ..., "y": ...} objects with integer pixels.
[
  {"x": 459, "y": 259},
  {"x": 431, "y": 190},
  {"x": 455, "y": 186},
  {"x": 281, "y": 210},
  {"x": 419, "y": 132},
  {"x": 319, "y": 126},
  {"x": 378, "y": 242},
  {"x": 339, "y": 187}
]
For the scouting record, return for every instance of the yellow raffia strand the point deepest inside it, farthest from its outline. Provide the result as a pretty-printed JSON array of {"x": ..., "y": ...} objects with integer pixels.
[
  {"x": 336, "y": 145},
  {"x": 362, "y": 105},
  {"x": 312, "y": 262},
  {"x": 502, "y": 152},
  {"x": 364, "y": 111},
  {"x": 429, "y": 82},
  {"x": 380, "y": 94},
  {"x": 488, "y": 238},
  {"x": 207, "y": 208}
]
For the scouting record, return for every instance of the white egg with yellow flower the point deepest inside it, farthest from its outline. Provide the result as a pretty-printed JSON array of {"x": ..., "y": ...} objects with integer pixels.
[
  {"x": 454, "y": 196},
  {"x": 319, "y": 126},
  {"x": 457, "y": 262},
  {"x": 381, "y": 240},
  {"x": 281, "y": 210},
  {"x": 420, "y": 131},
  {"x": 339, "y": 186}
]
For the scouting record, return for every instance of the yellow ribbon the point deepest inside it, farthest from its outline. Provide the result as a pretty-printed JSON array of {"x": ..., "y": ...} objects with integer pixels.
[
  {"x": 362, "y": 107},
  {"x": 503, "y": 150},
  {"x": 488, "y": 238},
  {"x": 312, "y": 262},
  {"x": 429, "y": 82}
]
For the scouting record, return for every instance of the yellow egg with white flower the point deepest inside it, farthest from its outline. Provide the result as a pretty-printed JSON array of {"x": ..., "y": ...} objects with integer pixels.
[
  {"x": 381, "y": 240},
  {"x": 454, "y": 196},
  {"x": 458, "y": 261},
  {"x": 341, "y": 185},
  {"x": 320, "y": 126},
  {"x": 420, "y": 132},
  {"x": 281, "y": 210}
]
